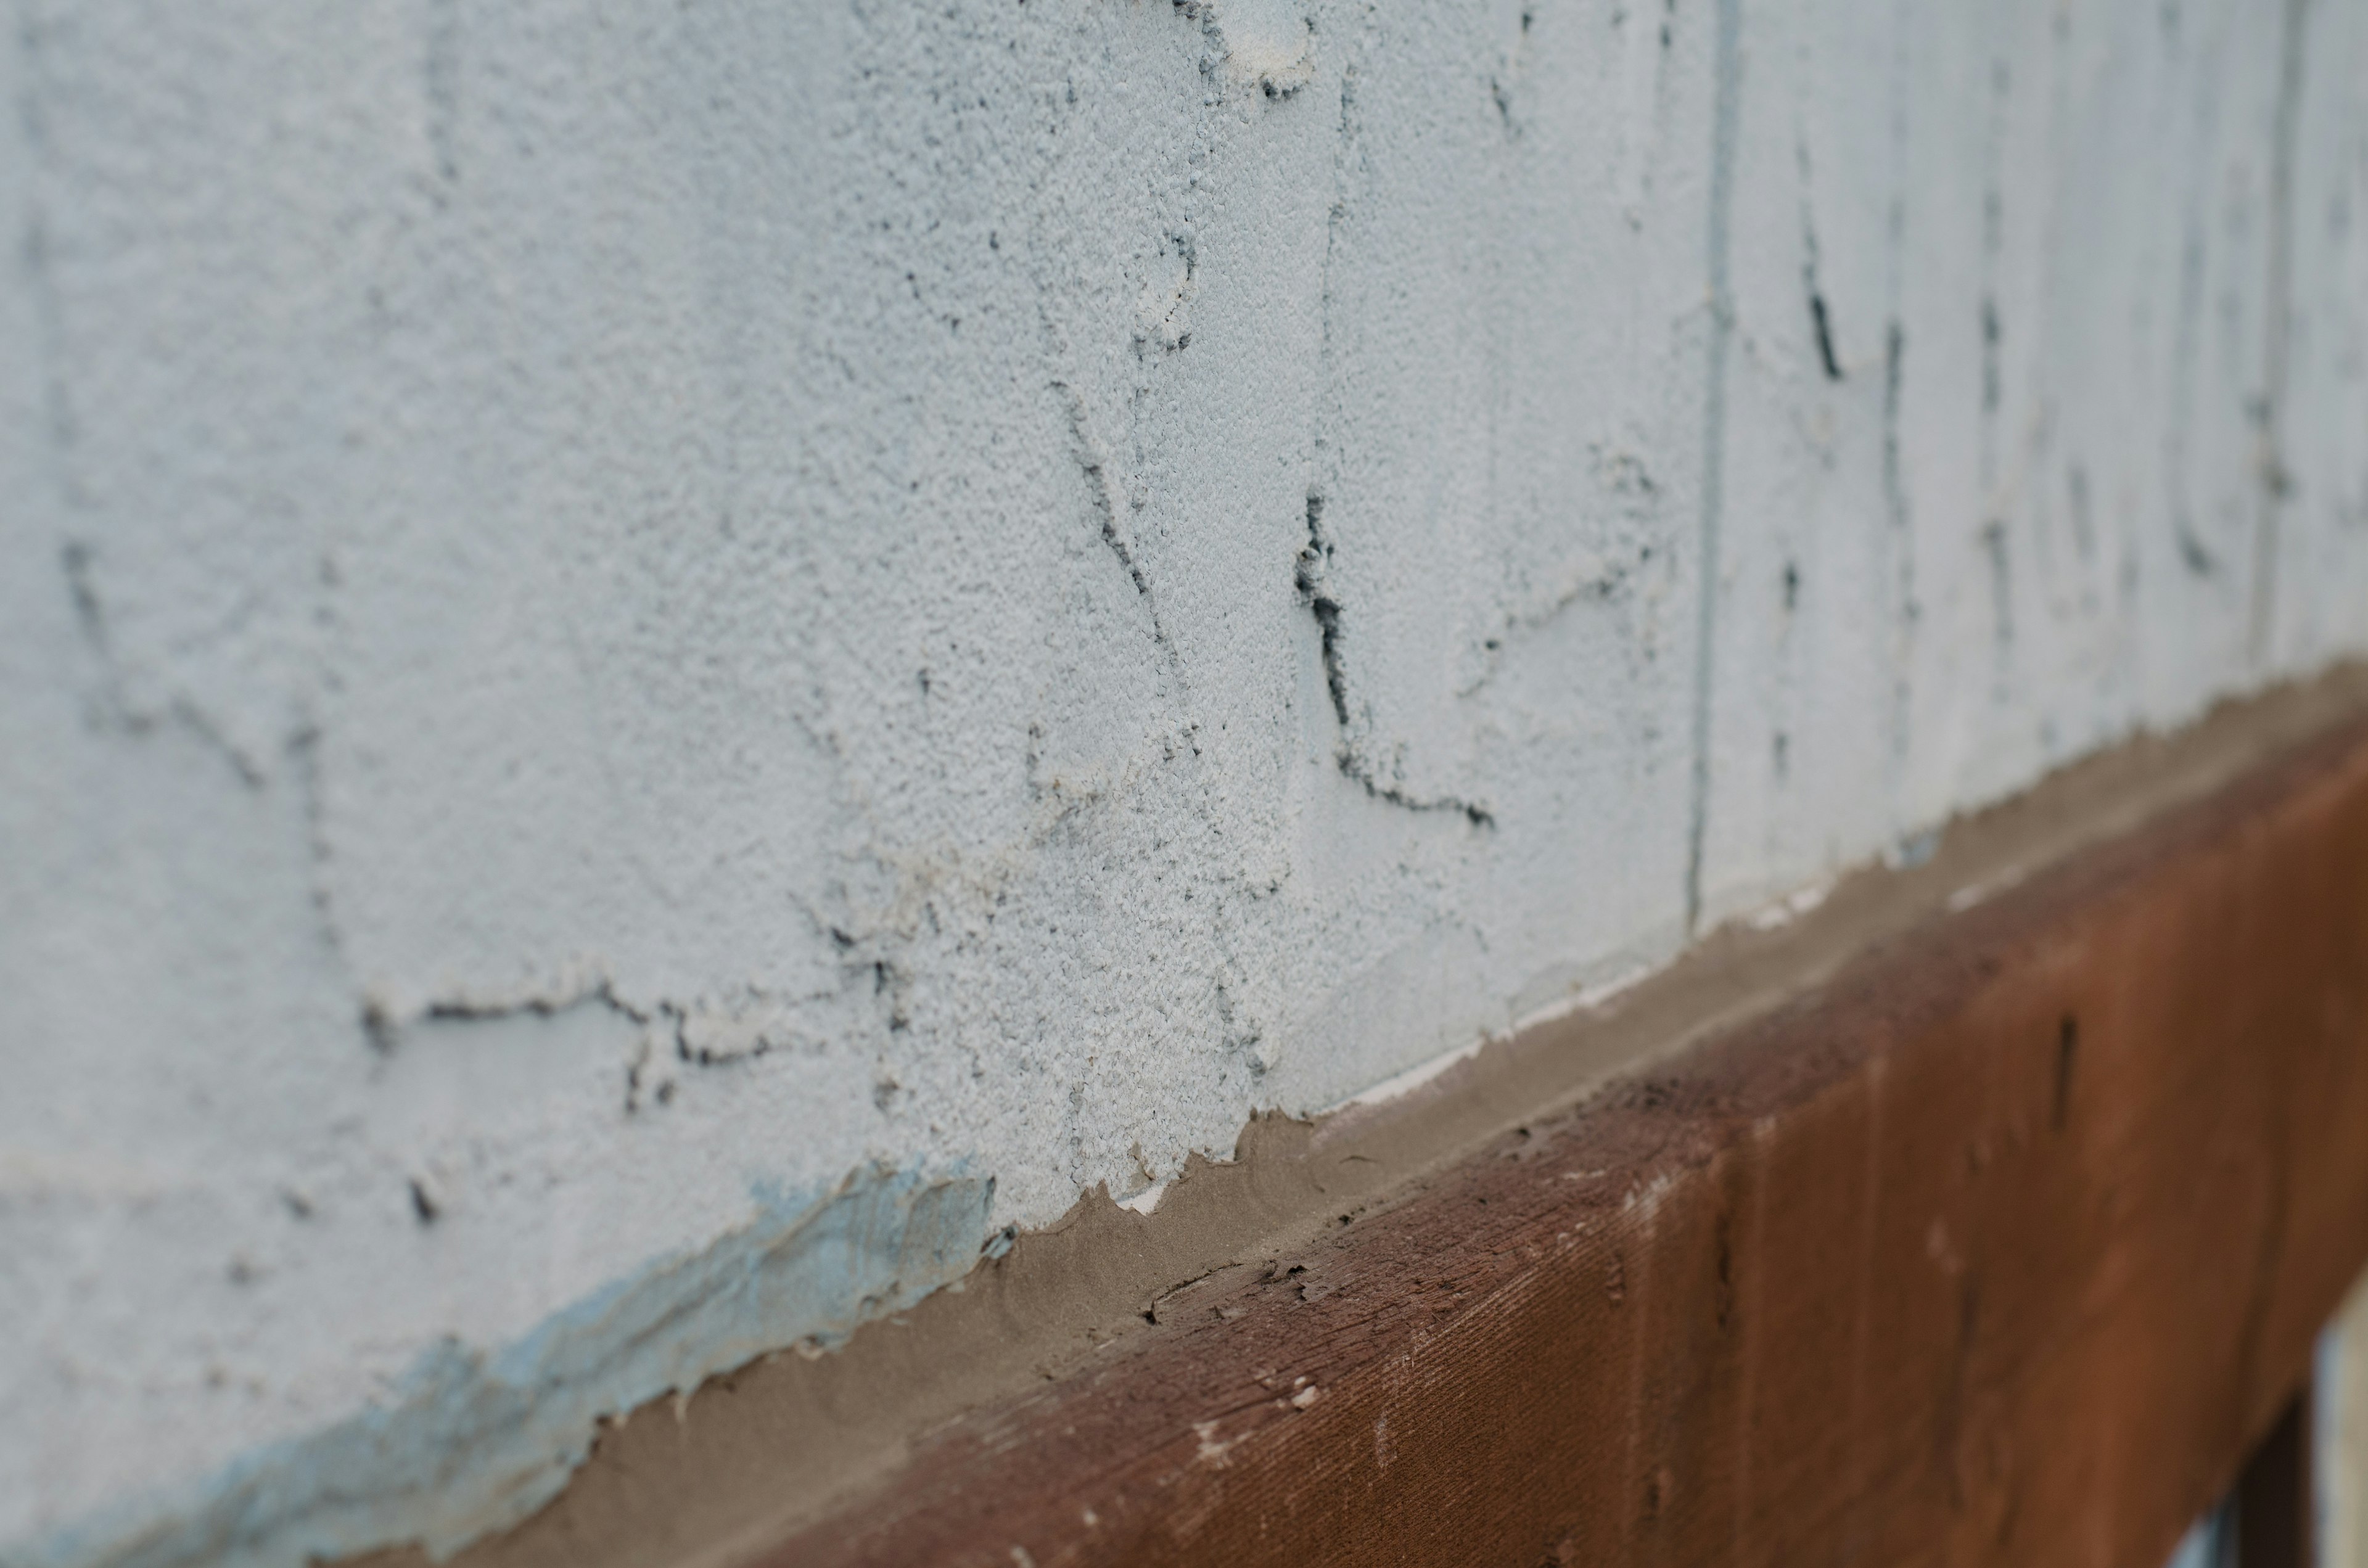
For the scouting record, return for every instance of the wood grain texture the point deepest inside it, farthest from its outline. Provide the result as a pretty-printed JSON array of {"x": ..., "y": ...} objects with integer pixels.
[{"x": 2006, "y": 1244}]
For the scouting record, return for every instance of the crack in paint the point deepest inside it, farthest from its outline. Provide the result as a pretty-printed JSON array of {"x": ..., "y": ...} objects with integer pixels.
[
  {"x": 472, "y": 1439},
  {"x": 1310, "y": 577},
  {"x": 2277, "y": 331},
  {"x": 1820, "y": 313},
  {"x": 1728, "y": 69},
  {"x": 116, "y": 708},
  {"x": 1094, "y": 463}
]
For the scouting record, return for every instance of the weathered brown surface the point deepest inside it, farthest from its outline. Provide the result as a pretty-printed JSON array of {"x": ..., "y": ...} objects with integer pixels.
[{"x": 2004, "y": 1244}]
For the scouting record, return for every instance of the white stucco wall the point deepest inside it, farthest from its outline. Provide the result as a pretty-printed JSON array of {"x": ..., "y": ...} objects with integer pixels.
[{"x": 616, "y": 618}]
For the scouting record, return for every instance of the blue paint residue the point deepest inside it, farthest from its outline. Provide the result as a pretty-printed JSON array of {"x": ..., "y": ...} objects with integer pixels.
[{"x": 472, "y": 1441}]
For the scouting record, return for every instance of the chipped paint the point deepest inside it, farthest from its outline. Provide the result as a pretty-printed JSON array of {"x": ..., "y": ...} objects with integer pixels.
[{"x": 471, "y": 1440}]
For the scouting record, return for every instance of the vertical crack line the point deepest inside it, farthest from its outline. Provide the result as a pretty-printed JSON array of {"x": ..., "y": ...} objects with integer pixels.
[
  {"x": 1993, "y": 533},
  {"x": 1900, "y": 539},
  {"x": 1898, "y": 548},
  {"x": 1311, "y": 570},
  {"x": 1820, "y": 316},
  {"x": 1343, "y": 149},
  {"x": 1101, "y": 487},
  {"x": 2277, "y": 333},
  {"x": 1726, "y": 84},
  {"x": 1309, "y": 577},
  {"x": 1106, "y": 499},
  {"x": 39, "y": 262},
  {"x": 442, "y": 87},
  {"x": 1822, "y": 320}
]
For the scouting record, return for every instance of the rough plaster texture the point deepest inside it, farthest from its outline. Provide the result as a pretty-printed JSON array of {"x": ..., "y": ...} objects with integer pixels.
[{"x": 661, "y": 663}]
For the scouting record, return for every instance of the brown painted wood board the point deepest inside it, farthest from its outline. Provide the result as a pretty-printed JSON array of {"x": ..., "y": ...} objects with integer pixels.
[
  {"x": 2003, "y": 1244},
  {"x": 1834, "y": 1082}
]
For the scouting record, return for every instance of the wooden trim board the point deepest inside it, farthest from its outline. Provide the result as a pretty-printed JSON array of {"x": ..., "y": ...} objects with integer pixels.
[
  {"x": 1985, "y": 1215},
  {"x": 2004, "y": 1247}
]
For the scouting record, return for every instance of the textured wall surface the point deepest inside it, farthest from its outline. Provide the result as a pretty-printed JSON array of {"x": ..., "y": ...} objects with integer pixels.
[{"x": 659, "y": 664}]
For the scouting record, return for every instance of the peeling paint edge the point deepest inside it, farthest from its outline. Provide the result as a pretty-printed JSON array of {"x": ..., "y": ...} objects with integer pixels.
[
  {"x": 475, "y": 1440},
  {"x": 1620, "y": 975}
]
